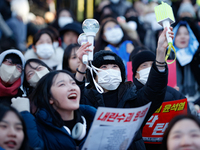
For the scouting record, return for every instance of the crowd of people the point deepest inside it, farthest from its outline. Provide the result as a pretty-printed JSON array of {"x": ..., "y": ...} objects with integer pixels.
[{"x": 49, "y": 97}]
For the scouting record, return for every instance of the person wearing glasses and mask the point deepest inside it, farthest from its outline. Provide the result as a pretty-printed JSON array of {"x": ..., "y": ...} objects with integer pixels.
[{"x": 11, "y": 75}]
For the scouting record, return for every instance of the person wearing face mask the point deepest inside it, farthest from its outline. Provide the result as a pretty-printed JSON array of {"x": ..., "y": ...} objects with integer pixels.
[
  {"x": 117, "y": 93},
  {"x": 43, "y": 49},
  {"x": 63, "y": 17},
  {"x": 56, "y": 38},
  {"x": 141, "y": 65},
  {"x": 112, "y": 37},
  {"x": 11, "y": 75},
  {"x": 34, "y": 70}
]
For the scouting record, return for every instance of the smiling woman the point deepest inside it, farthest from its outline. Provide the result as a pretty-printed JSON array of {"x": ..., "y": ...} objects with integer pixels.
[
  {"x": 13, "y": 130},
  {"x": 183, "y": 132},
  {"x": 186, "y": 45},
  {"x": 60, "y": 122}
]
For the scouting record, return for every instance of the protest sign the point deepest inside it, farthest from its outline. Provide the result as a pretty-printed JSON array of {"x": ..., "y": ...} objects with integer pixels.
[
  {"x": 115, "y": 128},
  {"x": 155, "y": 127}
]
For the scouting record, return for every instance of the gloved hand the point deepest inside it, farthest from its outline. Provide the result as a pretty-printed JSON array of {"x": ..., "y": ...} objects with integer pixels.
[{"x": 21, "y": 104}]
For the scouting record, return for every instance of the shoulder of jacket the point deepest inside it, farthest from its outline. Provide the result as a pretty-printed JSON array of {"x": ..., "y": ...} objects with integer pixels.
[{"x": 30, "y": 54}]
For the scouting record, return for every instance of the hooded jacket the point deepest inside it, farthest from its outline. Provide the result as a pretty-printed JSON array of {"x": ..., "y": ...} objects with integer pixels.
[
  {"x": 44, "y": 135},
  {"x": 7, "y": 99},
  {"x": 130, "y": 97}
]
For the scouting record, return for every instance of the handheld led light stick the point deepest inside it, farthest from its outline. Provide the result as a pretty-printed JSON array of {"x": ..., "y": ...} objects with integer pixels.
[
  {"x": 165, "y": 17},
  {"x": 90, "y": 28},
  {"x": 82, "y": 39}
]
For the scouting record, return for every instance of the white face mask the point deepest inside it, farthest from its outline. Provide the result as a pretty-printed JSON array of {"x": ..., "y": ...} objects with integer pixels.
[
  {"x": 144, "y": 74},
  {"x": 37, "y": 76},
  {"x": 62, "y": 21},
  {"x": 9, "y": 74},
  {"x": 109, "y": 79},
  {"x": 114, "y": 35},
  {"x": 115, "y": 1},
  {"x": 55, "y": 45},
  {"x": 45, "y": 51}
]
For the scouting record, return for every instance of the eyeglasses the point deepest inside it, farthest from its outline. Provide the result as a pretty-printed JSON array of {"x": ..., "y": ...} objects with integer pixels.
[
  {"x": 116, "y": 26},
  {"x": 10, "y": 63}
]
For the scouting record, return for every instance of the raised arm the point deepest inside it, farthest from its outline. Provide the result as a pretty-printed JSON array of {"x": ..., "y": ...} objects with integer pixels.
[
  {"x": 155, "y": 88},
  {"x": 82, "y": 67},
  {"x": 162, "y": 47}
]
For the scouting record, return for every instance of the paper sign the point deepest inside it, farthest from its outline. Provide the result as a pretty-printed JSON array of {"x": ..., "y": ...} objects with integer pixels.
[
  {"x": 115, "y": 128},
  {"x": 172, "y": 81},
  {"x": 157, "y": 124}
]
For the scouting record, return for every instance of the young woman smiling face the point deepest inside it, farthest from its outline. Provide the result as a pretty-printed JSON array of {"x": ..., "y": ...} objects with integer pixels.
[{"x": 182, "y": 37}]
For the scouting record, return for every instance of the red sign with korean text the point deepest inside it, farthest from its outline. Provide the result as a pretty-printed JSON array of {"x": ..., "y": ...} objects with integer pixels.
[
  {"x": 172, "y": 81},
  {"x": 155, "y": 127},
  {"x": 121, "y": 117}
]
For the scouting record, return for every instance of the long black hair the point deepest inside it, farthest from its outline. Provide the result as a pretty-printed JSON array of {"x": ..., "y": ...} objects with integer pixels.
[
  {"x": 173, "y": 122},
  {"x": 3, "y": 111},
  {"x": 67, "y": 55},
  {"x": 42, "y": 94},
  {"x": 26, "y": 86}
]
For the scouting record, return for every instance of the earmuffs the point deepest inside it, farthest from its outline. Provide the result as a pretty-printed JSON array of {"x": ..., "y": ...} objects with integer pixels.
[{"x": 78, "y": 131}]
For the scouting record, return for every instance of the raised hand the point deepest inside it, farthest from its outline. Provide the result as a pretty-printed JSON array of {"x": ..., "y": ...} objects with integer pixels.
[
  {"x": 83, "y": 50},
  {"x": 162, "y": 45}
]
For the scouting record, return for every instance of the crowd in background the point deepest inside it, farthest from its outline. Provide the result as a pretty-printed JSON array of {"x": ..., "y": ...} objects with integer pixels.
[{"x": 41, "y": 61}]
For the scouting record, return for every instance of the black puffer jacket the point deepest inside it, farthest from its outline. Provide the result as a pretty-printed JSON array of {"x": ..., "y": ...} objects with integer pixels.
[{"x": 128, "y": 97}]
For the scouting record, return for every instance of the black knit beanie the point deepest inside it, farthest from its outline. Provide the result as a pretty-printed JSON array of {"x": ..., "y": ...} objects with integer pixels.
[
  {"x": 140, "y": 58},
  {"x": 104, "y": 57}
]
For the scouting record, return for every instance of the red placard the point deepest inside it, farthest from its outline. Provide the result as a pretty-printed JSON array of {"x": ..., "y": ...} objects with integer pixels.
[
  {"x": 172, "y": 81},
  {"x": 129, "y": 71},
  {"x": 155, "y": 127}
]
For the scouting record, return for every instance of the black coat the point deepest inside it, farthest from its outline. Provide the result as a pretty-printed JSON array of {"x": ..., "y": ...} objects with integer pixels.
[
  {"x": 170, "y": 95},
  {"x": 129, "y": 97},
  {"x": 44, "y": 135}
]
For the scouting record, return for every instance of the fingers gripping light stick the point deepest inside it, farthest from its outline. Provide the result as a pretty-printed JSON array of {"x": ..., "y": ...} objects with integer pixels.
[
  {"x": 82, "y": 39},
  {"x": 90, "y": 28},
  {"x": 165, "y": 17}
]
